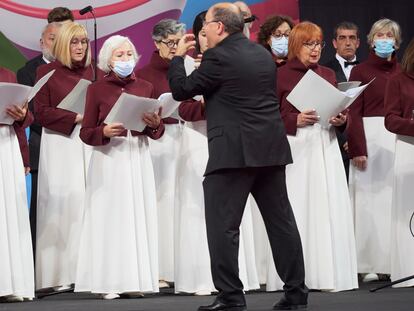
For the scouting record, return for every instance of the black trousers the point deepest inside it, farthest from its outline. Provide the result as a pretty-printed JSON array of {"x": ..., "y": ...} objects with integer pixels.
[
  {"x": 33, "y": 210},
  {"x": 225, "y": 194}
]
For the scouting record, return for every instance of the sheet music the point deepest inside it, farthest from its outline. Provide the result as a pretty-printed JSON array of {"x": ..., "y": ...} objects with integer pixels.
[
  {"x": 18, "y": 94},
  {"x": 75, "y": 101},
  {"x": 129, "y": 110},
  {"x": 314, "y": 92},
  {"x": 169, "y": 105}
]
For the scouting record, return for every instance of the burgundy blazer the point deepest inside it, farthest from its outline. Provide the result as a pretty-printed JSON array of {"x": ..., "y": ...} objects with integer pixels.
[
  {"x": 156, "y": 73},
  {"x": 101, "y": 97},
  {"x": 54, "y": 91},
  {"x": 371, "y": 102},
  {"x": 19, "y": 127},
  {"x": 287, "y": 77},
  {"x": 399, "y": 104}
]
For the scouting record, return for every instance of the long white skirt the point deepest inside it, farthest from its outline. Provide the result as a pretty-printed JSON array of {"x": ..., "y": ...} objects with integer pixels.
[
  {"x": 318, "y": 193},
  {"x": 60, "y": 203},
  {"x": 16, "y": 257},
  {"x": 192, "y": 258},
  {"x": 165, "y": 154},
  {"x": 118, "y": 245},
  {"x": 402, "y": 246},
  {"x": 371, "y": 199}
]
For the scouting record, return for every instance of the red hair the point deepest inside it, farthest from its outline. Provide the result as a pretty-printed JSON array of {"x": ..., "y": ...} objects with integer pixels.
[{"x": 303, "y": 32}]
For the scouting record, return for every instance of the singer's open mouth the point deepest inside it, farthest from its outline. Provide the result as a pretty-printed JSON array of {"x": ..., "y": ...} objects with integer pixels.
[{"x": 41, "y": 13}]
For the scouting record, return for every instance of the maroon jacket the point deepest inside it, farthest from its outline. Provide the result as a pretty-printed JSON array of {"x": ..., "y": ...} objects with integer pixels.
[
  {"x": 156, "y": 73},
  {"x": 101, "y": 97},
  {"x": 53, "y": 92},
  {"x": 371, "y": 102},
  {"x": 287, "y": 77},
  {"x": 19, "y": 127},
  {"x": 399, "y": 104}
]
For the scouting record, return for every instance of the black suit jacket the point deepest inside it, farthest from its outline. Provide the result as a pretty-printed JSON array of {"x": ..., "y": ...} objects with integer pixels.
[
  {"x": 27, "y": 76},
  {"x": 336, "y": 66},
  {"x": 237, "y": 79}
]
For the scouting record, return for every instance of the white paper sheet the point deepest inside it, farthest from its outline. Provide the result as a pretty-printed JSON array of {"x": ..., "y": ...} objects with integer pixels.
[
  {"x": 129, "y": 110},
  {"x": 75, "y": 101},
  {"x": 39, "y": 84},
  {"x": 189, "y": 64},
  {"x": 344, "y": 86},
  {"x": 314, "y": 92},
  {"x": 18, "y": 94},
  {"x": 169, "y": 105}
]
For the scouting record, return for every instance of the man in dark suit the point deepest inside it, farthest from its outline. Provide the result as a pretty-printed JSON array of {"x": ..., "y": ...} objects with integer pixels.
[
  {"x": 248, "y": 152},
  {"x": 346, "y": 43},
  {"x": 27, "y": 75}
]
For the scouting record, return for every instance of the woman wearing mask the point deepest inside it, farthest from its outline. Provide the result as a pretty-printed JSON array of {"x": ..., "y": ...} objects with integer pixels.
[
  {"x": 118, "y": 244},
  {"x": 192, "y": 259},
  {"x": 399, "y": 119},
  {"x": 63, "y": 161},
  {"x": 274, "y": 36},
  {"x": 16, "y": 257},
  {"x": 316, "y": 180},
  {"x": 371, "y": 148}
]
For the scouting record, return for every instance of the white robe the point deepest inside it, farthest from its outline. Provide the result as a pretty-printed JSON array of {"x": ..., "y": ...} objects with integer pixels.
[
  {"x": 165, "y": 154},
  {"x": 402, "y": 241},
  {"x": 192, "y": 258},
  {"x": 118, "y": 244},
  {"x": 16, "y": 257},
  {"x": 63, "y": 164},
  {"x": 318, "y": 193},
  {"x": 371, "y": 199}
]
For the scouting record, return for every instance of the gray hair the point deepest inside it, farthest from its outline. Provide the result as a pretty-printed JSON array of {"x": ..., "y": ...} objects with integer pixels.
[
  {"x": 387, "y": 24},
  {"x": 111, "y": 44},
  {"x": 50, "y": 25},
  {"x": 167, "y": 27}
]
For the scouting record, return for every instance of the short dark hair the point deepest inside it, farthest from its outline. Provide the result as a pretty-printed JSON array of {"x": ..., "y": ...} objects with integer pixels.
[
  {"x": 269, "y": 26},
  {"x": 347, "y": 26},
  {"x": 233, "y": 21},
  {"x": 60, "y": 14},
  {"x": 407, "y": 63}
]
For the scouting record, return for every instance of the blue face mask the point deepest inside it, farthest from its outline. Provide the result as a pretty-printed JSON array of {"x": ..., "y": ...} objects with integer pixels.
[
  {"x": 279, "y": 46},
  {"x": 124, "y": 69},
  {"x": 384, "y": 47}
]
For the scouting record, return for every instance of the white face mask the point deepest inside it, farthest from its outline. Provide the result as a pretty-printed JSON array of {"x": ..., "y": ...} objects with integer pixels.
[
  {"x": 279, "y": 46},
  {"x": 123, "y": 69}
]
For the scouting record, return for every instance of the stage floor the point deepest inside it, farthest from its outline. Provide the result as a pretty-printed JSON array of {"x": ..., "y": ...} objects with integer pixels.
[{"x": 391, "y": 299}]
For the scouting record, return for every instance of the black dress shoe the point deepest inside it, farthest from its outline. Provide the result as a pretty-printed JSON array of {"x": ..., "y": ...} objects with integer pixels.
[
  {"x": 284, "y": 304},
  {"x": 221, "y": 306}
]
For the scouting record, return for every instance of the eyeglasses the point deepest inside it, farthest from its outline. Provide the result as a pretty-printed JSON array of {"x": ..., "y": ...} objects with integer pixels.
[
  {"x": 205, "y": 23},
  {"x": 280, "y": 35},
  {"x": 171, "y": 43},
  {"x": 76, "y": 41},
  {"x": 312, "y": 45}
]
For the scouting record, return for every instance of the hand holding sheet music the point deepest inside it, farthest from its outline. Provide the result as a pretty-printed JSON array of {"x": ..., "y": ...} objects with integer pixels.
[
  {"x": 314, "y": 92},
  {"x": 13, "y": 94},
  {"x": 130, "y": 109}
]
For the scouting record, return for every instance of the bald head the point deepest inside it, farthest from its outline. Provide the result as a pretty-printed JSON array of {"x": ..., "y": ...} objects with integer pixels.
[
  {"x": 229, "y": 15},
  {"x": 244, "y": 8}
]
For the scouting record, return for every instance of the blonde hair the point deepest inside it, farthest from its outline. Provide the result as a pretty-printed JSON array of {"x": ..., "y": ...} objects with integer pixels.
[
  {"x": 407, "y": 64},
  {"x": 61, "y": 48},
  {"x": 301, "y": 33},
  {"x": 111, "y": 44},
  {"x": 382, "y": 24}
]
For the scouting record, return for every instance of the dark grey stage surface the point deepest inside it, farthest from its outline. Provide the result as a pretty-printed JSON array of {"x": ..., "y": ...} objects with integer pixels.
[{"x": 392, "y": 299}]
